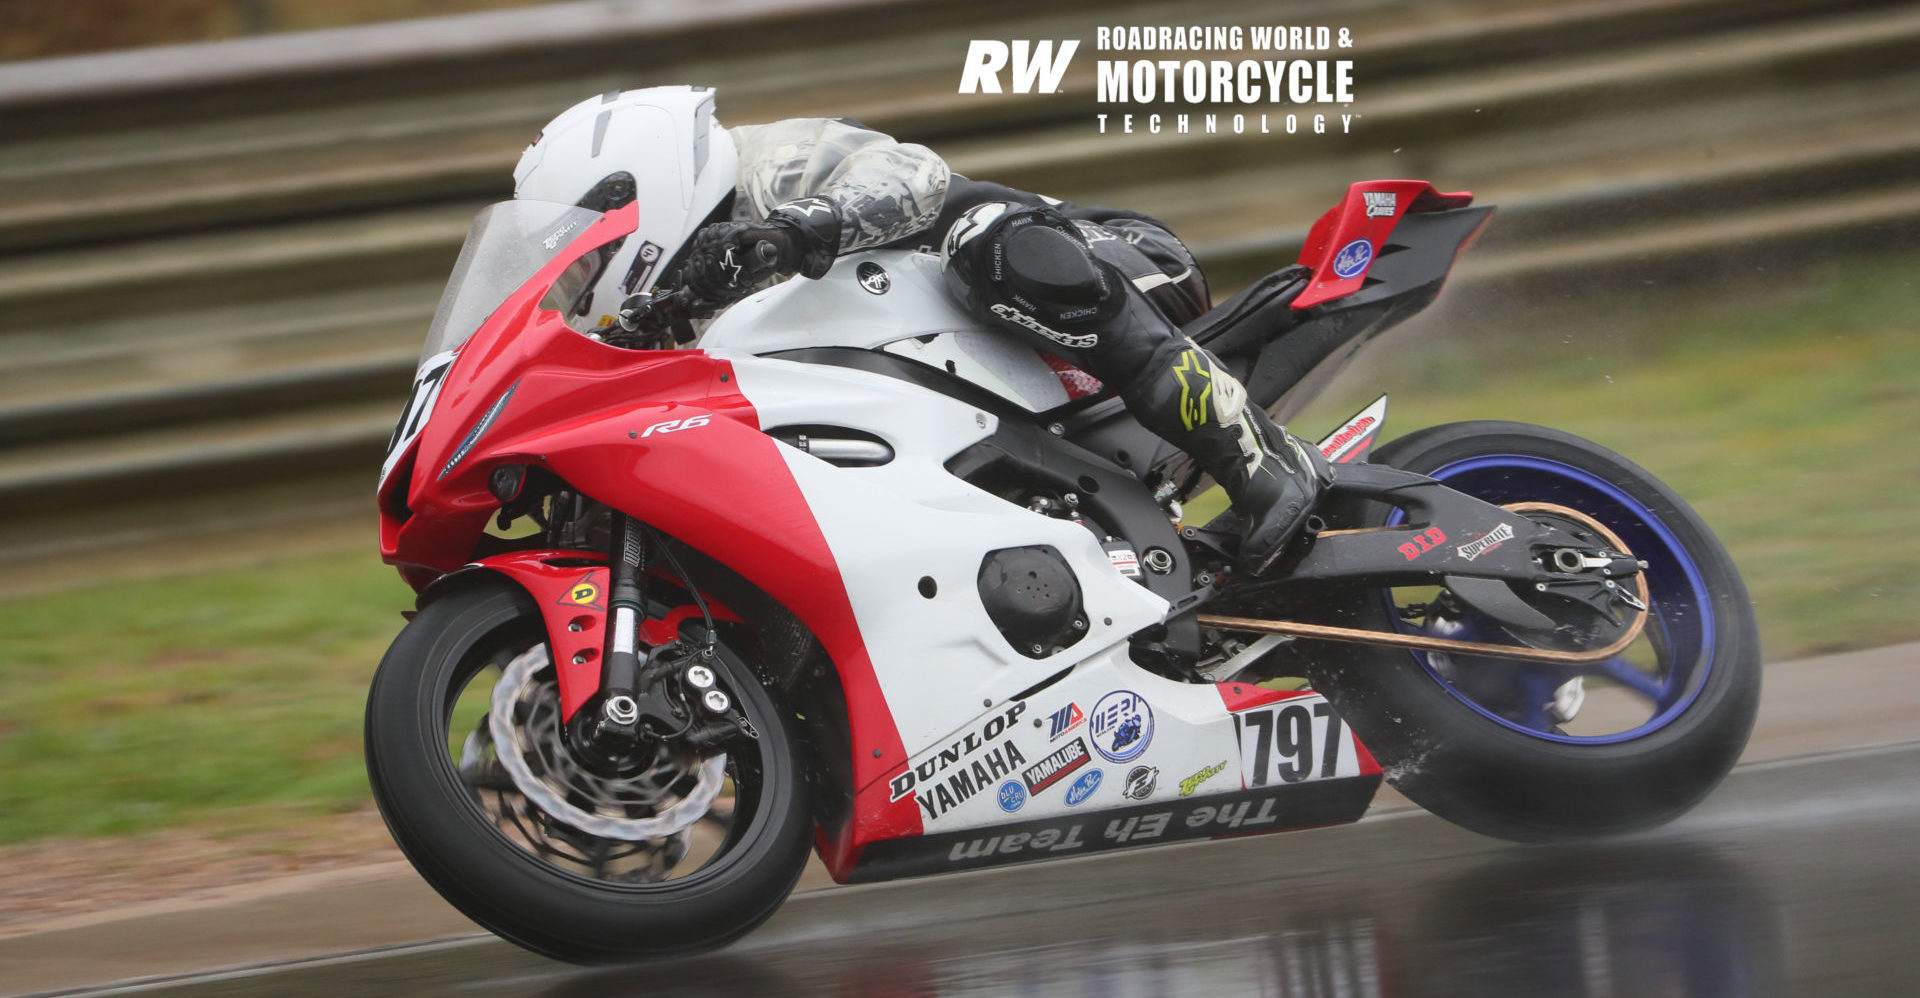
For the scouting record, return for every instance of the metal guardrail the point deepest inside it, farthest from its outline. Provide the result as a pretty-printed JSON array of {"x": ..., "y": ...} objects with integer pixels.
[{"x": 218, "y": 283}]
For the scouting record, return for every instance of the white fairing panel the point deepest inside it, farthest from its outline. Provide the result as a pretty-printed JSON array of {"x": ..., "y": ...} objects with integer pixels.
[
  {"x": 937, "y": 659},
  {"x": 912, "y": 316},
  {"x": 1112, "y": 735}
]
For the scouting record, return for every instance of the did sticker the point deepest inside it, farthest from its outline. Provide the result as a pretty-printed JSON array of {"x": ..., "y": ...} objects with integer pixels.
[{"x": 1121, "y": 726}]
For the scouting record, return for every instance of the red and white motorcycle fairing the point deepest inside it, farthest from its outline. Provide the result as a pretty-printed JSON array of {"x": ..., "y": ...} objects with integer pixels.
[{"x": 846, "y": 549}]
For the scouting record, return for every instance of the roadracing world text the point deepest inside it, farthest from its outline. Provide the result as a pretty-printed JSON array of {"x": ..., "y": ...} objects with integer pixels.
[{"x": 1167, "y": 65}]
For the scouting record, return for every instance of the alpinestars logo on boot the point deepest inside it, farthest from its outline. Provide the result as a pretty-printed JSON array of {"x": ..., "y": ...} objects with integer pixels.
[{"x": 1191, "y": 374}]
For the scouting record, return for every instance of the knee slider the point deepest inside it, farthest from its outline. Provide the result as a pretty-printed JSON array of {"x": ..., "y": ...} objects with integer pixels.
[{"x": 1032, "y": 259}]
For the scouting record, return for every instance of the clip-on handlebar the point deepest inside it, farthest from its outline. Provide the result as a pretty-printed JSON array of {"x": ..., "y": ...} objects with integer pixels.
[{"x": 664, "y": 319}]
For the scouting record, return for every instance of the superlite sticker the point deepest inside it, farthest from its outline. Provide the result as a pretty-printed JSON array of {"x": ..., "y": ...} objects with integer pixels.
[{"x": 1487, "y": 542}]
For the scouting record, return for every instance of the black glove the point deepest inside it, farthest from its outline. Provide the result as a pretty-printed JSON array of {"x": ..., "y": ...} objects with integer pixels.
[{"x": 729, "y": 259}]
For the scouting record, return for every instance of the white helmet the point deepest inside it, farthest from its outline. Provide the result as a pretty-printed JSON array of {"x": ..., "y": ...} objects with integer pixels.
[{"x": 659, "y": 146}]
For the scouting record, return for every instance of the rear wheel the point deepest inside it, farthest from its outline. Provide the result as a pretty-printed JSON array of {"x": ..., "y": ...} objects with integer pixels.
[
  {"x": 1533, "y": 751},
  {"x": 581, "y": 858}
]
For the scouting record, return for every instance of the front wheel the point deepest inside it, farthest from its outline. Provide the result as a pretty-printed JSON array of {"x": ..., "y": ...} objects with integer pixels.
[
  {"x": 1538, "y": 752},
  {"x": 592, "y": 860}
]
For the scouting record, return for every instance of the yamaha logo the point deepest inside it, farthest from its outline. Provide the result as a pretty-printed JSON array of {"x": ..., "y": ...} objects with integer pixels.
[{"x": 874, "y": 278}]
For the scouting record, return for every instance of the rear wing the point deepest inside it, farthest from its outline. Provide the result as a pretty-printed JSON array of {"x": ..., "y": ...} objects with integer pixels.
[{"x": 1342, "y": 246}]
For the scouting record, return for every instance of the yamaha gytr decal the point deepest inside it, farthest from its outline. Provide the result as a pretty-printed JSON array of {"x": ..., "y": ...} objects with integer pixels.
[{"x": 1263, "y": 79}]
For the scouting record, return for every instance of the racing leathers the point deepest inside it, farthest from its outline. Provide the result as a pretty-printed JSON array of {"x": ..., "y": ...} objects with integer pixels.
[{"x": 1105, "y": 290}]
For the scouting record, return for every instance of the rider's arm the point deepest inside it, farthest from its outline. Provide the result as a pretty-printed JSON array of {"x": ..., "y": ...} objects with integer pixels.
[{"x": 877, "y": 189}]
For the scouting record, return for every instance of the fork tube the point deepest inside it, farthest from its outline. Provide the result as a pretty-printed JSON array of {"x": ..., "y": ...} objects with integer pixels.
[{"x": 621, "y": 671}]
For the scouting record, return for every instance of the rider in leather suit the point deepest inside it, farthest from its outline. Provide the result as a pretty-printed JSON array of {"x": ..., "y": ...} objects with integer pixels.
[{"x": 1104, "y": 289}]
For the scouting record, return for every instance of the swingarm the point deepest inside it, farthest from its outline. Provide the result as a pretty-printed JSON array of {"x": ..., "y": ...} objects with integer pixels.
[{"x": 1487, "y": 556}]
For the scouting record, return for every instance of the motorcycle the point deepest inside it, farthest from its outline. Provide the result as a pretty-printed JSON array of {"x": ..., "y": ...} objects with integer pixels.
[{"x": 859, "y": 576}]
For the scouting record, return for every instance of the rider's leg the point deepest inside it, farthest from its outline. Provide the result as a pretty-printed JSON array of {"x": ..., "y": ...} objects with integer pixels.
[{"x": 1031, "y": 270}]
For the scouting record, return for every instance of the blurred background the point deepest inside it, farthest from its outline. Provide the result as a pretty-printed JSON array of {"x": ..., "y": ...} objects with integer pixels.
[{"x": 224, "y": 225}]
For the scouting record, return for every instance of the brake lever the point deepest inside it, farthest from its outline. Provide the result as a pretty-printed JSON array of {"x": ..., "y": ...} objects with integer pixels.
[{"x": 666, "y": 314}]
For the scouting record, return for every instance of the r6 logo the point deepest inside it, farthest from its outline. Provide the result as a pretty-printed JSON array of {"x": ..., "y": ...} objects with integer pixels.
[{"x": 676, "y": 425}]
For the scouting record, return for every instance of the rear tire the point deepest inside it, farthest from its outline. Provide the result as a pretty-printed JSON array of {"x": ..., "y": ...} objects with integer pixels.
[
  {"x": 440, "y": 824},
  {"x": 1475, "y": 768}
]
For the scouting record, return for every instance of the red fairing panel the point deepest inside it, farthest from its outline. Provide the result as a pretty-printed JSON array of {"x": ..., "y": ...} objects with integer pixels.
[
  {"x": 573, "y": 603},
  {"x": 725, "y": 489},
  {"x": 1342, "y": 245},
  {"x": 666, "y": 437}
]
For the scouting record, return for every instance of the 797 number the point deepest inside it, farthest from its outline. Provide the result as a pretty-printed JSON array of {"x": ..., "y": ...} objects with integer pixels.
[{"x": 1284, "y": 741}]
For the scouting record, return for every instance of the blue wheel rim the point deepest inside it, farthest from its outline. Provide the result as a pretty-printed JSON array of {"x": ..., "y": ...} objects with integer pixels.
[{"x": 1681, "y": 610}]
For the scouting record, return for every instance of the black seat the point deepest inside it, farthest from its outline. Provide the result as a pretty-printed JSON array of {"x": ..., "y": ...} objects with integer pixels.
[{"x": 1255, "y": 314}]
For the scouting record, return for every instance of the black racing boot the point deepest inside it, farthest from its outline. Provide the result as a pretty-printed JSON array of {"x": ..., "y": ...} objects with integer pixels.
[
  {"x": 1272, "y": 478},
  {"x": 1274, "y": 493}
]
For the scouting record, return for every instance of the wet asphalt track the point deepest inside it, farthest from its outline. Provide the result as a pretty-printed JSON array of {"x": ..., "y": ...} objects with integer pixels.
[{"x": 1798, "y": 877}]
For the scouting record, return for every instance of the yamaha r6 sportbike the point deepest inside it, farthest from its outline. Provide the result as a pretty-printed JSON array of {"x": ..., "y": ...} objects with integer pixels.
[{"x": 861, "y": 576}]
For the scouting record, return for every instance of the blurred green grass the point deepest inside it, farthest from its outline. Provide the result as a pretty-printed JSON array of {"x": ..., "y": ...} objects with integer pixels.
[
  {"x": 1783, "y": 407},
  {"x": 141, "y": 705}
]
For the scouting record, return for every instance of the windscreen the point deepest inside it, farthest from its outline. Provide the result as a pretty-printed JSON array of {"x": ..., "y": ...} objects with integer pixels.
[{"x": 508, "y": 243}]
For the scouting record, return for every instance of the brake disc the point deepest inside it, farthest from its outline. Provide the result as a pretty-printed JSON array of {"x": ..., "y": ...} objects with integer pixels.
[{"x": 515, "y": 742}]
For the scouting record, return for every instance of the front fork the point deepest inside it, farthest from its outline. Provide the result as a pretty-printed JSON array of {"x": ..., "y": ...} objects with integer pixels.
[
  {"x": 634, "y": 695},
  {"x": 619, "y": 707}
]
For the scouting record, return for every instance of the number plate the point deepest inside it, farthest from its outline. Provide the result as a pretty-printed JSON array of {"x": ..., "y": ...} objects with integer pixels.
[
  {"x": 1293, "y": 741},
  {"x": 413, "y": 419}
]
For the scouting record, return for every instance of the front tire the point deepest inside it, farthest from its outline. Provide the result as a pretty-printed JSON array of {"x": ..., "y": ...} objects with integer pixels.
[
  {"x": 1470, "y": 738},
  {"x": 506, "y": 875}
]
